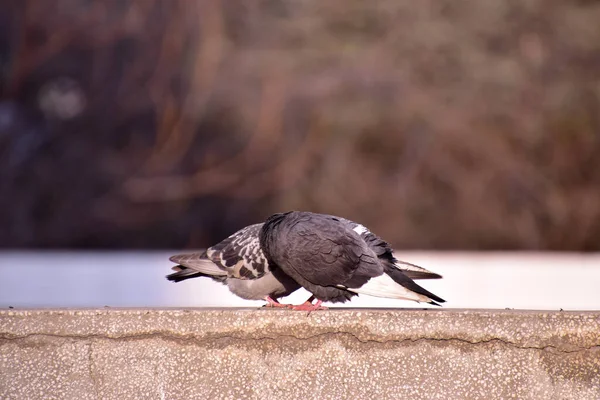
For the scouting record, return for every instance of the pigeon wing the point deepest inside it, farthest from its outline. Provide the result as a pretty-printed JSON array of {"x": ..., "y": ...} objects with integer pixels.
[
  {"x": 320, "y": 250},
  {"x": 385, "y": 252},
  {"x": 240, "y": 255}
]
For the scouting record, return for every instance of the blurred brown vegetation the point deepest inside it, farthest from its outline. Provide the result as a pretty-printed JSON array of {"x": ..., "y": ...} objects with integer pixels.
[{"x": 439, "y": 124}]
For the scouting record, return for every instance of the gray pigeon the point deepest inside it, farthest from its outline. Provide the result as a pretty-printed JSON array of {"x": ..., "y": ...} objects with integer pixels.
[
  {"x": 335, "y": 259},
  {"x": 251, "y": 273}
]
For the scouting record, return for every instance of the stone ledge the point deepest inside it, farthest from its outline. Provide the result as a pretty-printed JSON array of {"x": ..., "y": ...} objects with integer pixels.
[
  {"x": 264, "y": 353},
  {"x": 566, "y": 331}
]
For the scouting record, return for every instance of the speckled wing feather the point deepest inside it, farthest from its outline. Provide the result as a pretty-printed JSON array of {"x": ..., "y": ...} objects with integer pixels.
[{"x": 240, "y": 254}]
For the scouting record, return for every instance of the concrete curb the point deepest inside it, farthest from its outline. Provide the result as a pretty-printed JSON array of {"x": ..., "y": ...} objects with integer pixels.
[{"x": 201, "y": 353}]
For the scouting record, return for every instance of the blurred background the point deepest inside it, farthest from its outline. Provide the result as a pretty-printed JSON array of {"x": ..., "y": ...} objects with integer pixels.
[{"x": 165, "y": 125}]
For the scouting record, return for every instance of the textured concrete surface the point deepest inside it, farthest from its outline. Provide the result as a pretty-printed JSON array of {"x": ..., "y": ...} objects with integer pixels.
[{"x": 277, "y": 354}]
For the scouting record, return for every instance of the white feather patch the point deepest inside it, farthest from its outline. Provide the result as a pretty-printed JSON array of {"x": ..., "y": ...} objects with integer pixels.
[
  {"x": 410, "y": 267},
  {"x": 360, "y": 229},
  {"x": 384, "y": 286}
]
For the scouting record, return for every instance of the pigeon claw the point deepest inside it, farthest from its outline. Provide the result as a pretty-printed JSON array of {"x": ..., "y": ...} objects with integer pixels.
[
  {"x": 308, "y": 306},
  {"x": 272, "y": 303}
]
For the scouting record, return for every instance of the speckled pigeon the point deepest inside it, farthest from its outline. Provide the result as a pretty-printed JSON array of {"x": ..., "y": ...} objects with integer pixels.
[
  {"x": 239, "y": 263},
  {"x": 332, "y": 257}
]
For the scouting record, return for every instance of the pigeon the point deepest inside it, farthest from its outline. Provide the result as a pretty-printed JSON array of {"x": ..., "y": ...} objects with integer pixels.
[
  {"x": 336, "y": 259},
  {"x": 239, "y": 263},
  {"x": 255, "y": 262}
]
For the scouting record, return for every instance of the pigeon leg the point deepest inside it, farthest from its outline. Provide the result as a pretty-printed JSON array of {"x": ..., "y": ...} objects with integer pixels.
[
  {"x": 274, "y": 303},
  {"x": 309, "y": 306}
]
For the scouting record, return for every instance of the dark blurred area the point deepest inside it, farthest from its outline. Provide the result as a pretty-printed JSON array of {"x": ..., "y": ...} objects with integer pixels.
[{"x": 168, "y": 124}]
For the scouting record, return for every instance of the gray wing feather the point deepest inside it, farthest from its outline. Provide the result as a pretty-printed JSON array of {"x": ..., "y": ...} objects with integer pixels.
[
  {"x": 323, "y": 251},
  {"x": 384, "y": 250}
]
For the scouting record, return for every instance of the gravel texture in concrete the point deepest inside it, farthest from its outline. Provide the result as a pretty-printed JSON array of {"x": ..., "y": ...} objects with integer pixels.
[{"x": 279, "y": 354}]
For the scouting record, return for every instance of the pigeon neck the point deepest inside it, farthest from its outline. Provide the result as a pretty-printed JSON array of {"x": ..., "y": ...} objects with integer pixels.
[{"x": 269, "y": 232}]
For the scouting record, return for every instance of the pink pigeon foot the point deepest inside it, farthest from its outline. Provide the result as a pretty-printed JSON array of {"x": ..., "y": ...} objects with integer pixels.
[
  {"x": 308, "y": 306},
  {"x": 272, "y": 303}
]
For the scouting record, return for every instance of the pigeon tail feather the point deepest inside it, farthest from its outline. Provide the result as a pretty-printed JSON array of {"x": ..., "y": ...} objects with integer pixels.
[
  {"x": 182, "y": 273},
  {"x": 197, "y": 262},
  {"x": 400, "y": 278},
  {"x": 414, "y": 271},
  {"x": 193, "y": 266}
]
